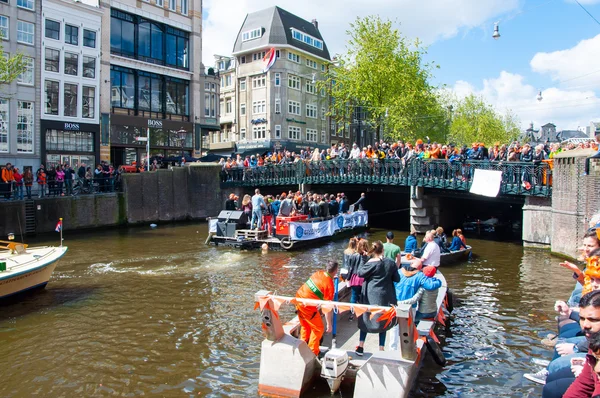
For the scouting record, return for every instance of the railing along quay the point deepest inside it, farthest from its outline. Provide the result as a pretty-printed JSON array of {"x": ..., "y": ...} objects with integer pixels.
[{"x": 518, "y": 178}]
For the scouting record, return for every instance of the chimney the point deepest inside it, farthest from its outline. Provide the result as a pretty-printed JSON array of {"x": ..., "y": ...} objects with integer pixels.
[{"x": 316, "y": 23}]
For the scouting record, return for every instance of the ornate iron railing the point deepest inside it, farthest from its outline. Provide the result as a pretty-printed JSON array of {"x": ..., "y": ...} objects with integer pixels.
[{"x": 518, "y": 178}]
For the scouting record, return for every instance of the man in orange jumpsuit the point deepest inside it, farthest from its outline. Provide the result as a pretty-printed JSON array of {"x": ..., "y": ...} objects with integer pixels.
[{"x": 318, "y": 287}]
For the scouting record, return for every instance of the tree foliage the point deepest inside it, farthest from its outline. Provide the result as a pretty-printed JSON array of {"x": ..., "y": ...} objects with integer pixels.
[
  {"x": 476, "y": 121},
  {"x": 10, "y": 66},
  {"x": 384, "y": 73}
]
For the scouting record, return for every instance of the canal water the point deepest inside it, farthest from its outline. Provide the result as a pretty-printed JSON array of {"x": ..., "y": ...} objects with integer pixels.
[{"x": 155, "y": 312}]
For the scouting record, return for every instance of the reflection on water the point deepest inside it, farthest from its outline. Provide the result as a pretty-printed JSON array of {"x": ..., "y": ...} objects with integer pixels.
[{"x": 155, "y": 312}]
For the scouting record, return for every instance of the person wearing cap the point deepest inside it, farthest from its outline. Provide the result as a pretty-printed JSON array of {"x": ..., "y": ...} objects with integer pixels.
[
  {"x": 391, "y": 250},
  {"x": 411, "y": 244}
]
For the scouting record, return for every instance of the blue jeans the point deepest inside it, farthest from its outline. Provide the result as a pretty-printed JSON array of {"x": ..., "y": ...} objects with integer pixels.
[
  {"x": 19, "y": 194},
  {"x": 575, "y": 296},
  {"x": 569, "y": 330},
  {"x": 355, "y": 297},
  {"x": 426, "y": 315},
  {"x": 256, "y": 215},
  {"x": 28, "y": 191},
  {"x": 573, "y": 340},
  {"x": 69, "y": 186},
  {"x": 363, "y": 336},
  {"x": 563, "y": 362}
]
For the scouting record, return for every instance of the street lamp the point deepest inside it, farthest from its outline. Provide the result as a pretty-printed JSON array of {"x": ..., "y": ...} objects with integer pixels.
[
  {"x": 496, "y": 34},
  {"x": 182, "y": 134}
]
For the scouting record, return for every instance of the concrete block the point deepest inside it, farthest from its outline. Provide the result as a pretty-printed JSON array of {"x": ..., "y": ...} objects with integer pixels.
[
  {"x": 418, "y": 212},
  {"x": 417, "y": 203},
  {"x": 287, "y": 367},
  {"x": 421, "y": 220},
  {"x": 12, "y": 215},
  {"x": 132, "y": 187},
  {"x": 180, "y": 193},
  {"x": 165, "y": 195},
  {"x": 149, "y": 197}
]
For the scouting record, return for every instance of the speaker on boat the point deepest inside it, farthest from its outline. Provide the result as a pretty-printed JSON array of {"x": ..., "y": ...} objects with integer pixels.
[
  {"x": 226, "y": 229},
  {"x": 233, "y": 216}
]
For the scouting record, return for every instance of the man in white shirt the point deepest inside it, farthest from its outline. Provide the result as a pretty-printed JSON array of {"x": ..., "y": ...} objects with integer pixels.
[
  {"x": 355, "y": 152},
  {"x": 431, "y": 254}
]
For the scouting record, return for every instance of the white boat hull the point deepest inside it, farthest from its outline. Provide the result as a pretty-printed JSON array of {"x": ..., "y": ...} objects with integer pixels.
[{"x": 28, "y": 271}]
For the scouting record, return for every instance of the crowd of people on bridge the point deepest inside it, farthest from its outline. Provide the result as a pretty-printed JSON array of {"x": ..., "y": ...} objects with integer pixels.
[
  {"x": 393, "y": 159},
  {"x": 406, "y": 151},
  {"x": 574, "y": 367}
]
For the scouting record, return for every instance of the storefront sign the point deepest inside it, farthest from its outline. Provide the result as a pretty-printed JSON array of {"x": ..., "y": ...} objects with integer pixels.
[
  {"x": 155, "y": 123},
  {"x": 242, "y": 146},
  {"x": 72, "y": 126},
  {"x": 258, "y": 121},
  {"x": 292, "y": 120}
]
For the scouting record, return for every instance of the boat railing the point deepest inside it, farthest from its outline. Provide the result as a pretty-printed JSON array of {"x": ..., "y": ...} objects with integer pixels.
[{"x": 270, "y": 303}]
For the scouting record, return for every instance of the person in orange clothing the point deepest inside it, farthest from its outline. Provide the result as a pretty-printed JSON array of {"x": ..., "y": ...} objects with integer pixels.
[
  {"x": 8, "y": 177},
  {"x": 318, "y": 287}
]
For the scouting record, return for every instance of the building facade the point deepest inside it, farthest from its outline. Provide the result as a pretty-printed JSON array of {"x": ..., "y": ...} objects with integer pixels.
[
  {"x": 152, "y": 59},
  {"x": 279, "y": 58},
  {"x": 223, "y": 141},
  {"x": 70, "y": 75},
  {"x": 20, "y": 30}
]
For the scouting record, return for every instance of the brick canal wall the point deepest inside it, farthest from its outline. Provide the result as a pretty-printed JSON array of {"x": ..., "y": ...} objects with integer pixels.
[
  {"x": 80, "y": 212},
  {"x": 182, "y": 193}
]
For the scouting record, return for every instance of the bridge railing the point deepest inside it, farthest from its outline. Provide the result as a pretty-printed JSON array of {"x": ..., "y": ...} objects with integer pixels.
[{"x": 518, "y": 178}]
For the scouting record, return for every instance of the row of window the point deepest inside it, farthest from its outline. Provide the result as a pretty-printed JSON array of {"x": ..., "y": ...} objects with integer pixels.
[
  {"x": 25, "y": 30},
  {"x": 139, "y": 38},
  {"x": 143, "y": 91},
  {"x": 294, "y": 82},
  {"x": 172, "y": 5},
  {"x": 70, "y": 99},
  {"x": 26, "y": 4},
  {"x": 258, "y": 56},
  {"x": 259, "y": 132},
  {"x": 260, "y": 107},
  {"x": 24, "y": 130},
  {"x": 71, "y": 64},
  {"x": 52, "y": 31},
  {"x": 307, "y": 39}
]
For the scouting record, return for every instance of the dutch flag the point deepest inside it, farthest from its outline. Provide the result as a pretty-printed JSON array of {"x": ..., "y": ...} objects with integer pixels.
[{"x": 58, "y": 226}]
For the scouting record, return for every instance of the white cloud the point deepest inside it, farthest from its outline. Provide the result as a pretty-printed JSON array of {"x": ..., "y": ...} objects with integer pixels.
[
  {"x": 575, "y": 67},
  {"x": 429, "y": 20},
  {"x": 568, "y": 109}
]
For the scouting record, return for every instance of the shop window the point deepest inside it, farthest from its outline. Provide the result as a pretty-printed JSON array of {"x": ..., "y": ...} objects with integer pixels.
[
  {"x": 25, "y": 113},
  {"x": 52, "y": 60},
  {"x": 70, "y": 100},
  {"x": 88, "y": 102},
  {"x": 89, "y": 67},
  {"x": 71, "y": 64},
  {"x": 52, "y": 94}
]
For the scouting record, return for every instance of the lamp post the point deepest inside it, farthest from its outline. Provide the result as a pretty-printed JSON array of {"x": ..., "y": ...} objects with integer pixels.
[
  {"x": 450, "y": 110},
  {"x": 182, "y": 134}
]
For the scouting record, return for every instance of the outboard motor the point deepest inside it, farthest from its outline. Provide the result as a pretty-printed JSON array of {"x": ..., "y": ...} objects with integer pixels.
[{"x": 335, "y": 364}]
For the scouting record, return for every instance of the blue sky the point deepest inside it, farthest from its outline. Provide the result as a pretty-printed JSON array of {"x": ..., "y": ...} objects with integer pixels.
[{"x": 544, "y": 45}]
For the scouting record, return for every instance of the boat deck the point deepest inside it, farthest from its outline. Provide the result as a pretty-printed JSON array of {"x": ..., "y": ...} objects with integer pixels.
[{"x": 33, "y": 258}]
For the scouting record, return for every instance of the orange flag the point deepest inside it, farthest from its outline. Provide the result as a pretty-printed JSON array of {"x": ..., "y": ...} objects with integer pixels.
[
  {"x": 433, "y": 336},
  {"x": 387, "y": 316}
]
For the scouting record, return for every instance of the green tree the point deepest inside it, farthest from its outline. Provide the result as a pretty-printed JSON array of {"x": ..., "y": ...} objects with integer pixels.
[
  {"x": 474, "y": 120},
  {"x": 384, "y": 73},
  {"x": 10, "y": 66}
]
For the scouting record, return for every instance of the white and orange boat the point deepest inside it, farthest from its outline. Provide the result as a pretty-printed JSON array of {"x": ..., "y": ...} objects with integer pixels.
[{"x": 24, "y": 268}]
